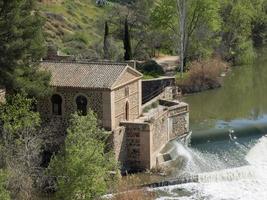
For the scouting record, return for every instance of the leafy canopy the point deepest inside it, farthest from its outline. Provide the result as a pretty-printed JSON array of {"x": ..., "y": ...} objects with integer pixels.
[
  {"x": 83, "y": 167},
  {"x": 21, "y": 48}
]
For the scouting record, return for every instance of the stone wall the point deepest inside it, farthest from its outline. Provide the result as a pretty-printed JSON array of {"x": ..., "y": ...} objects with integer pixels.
[
  {"x": 138, "y": 146},
  {"x": 2, "y": 95},
  {"x": 154, "y": 87},
  {"x": 145, "y": 140},
  {"x": 119, "y": 144},
  {"x": 131, "y": 94},
  {"x": 179, "y": 120},
  {"x": 95, "y": 103}
]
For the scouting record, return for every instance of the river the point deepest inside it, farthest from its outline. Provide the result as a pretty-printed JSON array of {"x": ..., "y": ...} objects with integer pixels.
[{"x": 228, "y": 151}]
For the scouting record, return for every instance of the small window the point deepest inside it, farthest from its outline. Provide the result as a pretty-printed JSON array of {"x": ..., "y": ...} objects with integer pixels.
[
  {"x": 127, "y": 111},
  {"x": 81, "y": 102},
  {"x": 56, "y": 104},
  {"x": 127, "y": 91}
]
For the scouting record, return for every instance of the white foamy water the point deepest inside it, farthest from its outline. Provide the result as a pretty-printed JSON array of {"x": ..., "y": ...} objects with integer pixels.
[{"x": 247, "y": 182}]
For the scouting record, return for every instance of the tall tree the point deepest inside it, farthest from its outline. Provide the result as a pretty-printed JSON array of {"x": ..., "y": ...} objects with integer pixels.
[
  {"x": 21, "y": 142},
  {"x": 21, "y": 48},
  {"x": 193, "y": 24},
  {"x": 106, "y": 42},
  {"x": 181, "y": 9},
  {"x": 237, "y": 16},
  {"x": 127, "y": 41},
  {"x": 83, "y": 167}
]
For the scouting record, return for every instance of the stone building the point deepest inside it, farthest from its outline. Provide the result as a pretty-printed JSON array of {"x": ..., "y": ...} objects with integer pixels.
[{"x": 114, "y": 92}]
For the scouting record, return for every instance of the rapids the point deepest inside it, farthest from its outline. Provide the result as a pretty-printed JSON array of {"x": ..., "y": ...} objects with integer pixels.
[{"x": 247, "y": 182}]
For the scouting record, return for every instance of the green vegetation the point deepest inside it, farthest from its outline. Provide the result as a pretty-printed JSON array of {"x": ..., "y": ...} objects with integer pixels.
[
  {"x": 72, "y": 26},
  {"x": 151, "y": 106},
  {"x": 21, "y": 48},
  {"x": 21, "y": 141},
  {"x": 150, "y": 69},
  {"x": 4, "y": 194},
  {"x": 212, "y": 27},
  {"x": 84, "y": 168},
  {"x": 203, "y": 75}
]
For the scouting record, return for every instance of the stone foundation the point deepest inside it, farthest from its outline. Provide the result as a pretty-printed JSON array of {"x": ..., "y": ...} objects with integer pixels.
[
  {"x": 146, "y": 137},
  {"x": 2, "y": 95}
]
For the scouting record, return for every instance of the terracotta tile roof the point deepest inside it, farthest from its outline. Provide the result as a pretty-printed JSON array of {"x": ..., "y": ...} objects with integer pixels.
[{"x": 84, "y": 75}]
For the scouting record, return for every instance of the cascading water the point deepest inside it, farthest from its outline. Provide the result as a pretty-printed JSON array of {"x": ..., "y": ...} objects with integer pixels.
[{"x": 218, "y": 179}]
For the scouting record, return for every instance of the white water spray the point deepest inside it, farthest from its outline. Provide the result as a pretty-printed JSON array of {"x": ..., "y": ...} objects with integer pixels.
[{"x": 247, "y": 182}]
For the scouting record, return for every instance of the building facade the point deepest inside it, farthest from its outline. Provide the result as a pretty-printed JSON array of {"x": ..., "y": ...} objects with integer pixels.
[
  {"x": 114, "y": 93},
  {"x": 111, "y": 91}
]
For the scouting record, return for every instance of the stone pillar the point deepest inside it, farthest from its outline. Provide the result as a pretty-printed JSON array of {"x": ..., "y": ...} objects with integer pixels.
[{"x": 2, "y": 95}]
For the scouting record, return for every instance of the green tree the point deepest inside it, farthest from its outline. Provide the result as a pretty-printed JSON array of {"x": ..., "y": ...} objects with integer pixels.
[
  {"x": 83, "y": 166},
  {"x": 237, "y": 16},
  {"x": 21, "y": 48},
  {"x": 127, "y": 42},
  {"x": 21, "y": 142},
  {"x": 106, "y": 45},
  {"x": 201, "y": 24}
]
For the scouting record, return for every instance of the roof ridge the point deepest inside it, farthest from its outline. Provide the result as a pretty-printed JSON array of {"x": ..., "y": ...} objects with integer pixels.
[{"x": 86, "y": 62}]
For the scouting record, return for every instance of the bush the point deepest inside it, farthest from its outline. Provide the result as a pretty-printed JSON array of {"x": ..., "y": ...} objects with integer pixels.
[
  {"x": 83, "y": 169},
  {"x": 203, "y": 75},
  {"x": 151, "y": 68}
]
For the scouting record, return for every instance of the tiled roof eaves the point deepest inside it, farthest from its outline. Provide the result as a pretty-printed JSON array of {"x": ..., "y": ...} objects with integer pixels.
[
  {"x": 84, "y": 88},
  {"x": 126, "y": 83},
  {"x": 85, "y": 62}
]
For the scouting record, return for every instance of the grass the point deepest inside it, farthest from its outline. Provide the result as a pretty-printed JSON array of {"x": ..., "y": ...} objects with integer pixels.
[
  {"x": 70, "y": 20},
  {"x": 180, "y": 79},
  {"x": 148, "y": 76}
]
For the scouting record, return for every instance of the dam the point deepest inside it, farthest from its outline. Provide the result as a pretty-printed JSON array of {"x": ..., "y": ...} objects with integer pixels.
[{"x": 227, "y": 155}]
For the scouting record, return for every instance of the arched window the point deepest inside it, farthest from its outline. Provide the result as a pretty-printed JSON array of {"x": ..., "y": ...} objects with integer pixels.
[
  {"x": 127, "y": 111},
  {"x": 81, "y": 102},
  {"x": 56, "y": 104}
]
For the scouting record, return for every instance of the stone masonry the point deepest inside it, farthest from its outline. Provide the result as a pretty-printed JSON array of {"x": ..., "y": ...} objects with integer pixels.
[
  {"x": 114, "y": 92},
  {"x": 2, "y": 95},
  {"x": 146, "y": 137}
]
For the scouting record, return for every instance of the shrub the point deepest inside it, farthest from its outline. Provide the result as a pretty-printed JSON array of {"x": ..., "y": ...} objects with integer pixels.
[
  {"x": 151, "y": 68},
  {"x": 83, "y": 169},
  {"x": 203, "y": 75}
]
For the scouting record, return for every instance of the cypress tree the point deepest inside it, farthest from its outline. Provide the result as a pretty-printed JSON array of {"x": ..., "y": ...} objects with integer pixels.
[
  {"x": 21, "y": 48},
  {"x": 106, "y": 42},
  {"x": 127, "y": 42}
]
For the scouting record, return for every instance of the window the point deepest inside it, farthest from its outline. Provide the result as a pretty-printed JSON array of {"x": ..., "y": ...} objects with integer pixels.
[
  {"x": 127, "y": 91},
  {"x": 127, "y": 111},
  {"x": 56, "y": 104},
  {"x": 81, "y": 102}
]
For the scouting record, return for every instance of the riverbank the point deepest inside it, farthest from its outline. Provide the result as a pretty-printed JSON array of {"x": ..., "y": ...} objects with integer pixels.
[{"x": 203, "y": 75}]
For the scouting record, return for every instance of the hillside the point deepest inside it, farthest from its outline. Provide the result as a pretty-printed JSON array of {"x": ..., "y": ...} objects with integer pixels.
[{"x": 71, "y": 25}]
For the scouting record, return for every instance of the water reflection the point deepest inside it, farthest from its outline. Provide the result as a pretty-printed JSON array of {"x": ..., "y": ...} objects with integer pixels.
[{"x": 242, "y": 101}]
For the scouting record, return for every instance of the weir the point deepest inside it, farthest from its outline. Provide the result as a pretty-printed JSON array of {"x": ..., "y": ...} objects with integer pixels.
[{"x": 211, "y": 173}]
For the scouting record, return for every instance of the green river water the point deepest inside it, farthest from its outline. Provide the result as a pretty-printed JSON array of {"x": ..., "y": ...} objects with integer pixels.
[
  {"x": 228, "y": 149},
  {"x": 241, "y": 104}
]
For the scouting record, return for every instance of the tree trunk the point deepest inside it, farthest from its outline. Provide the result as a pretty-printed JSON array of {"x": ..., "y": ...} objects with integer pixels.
[{"x": 181, "y": 8}]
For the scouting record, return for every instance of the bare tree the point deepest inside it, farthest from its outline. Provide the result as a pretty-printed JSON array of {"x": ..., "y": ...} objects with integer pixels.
[{"x": 181, "y": 9}]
